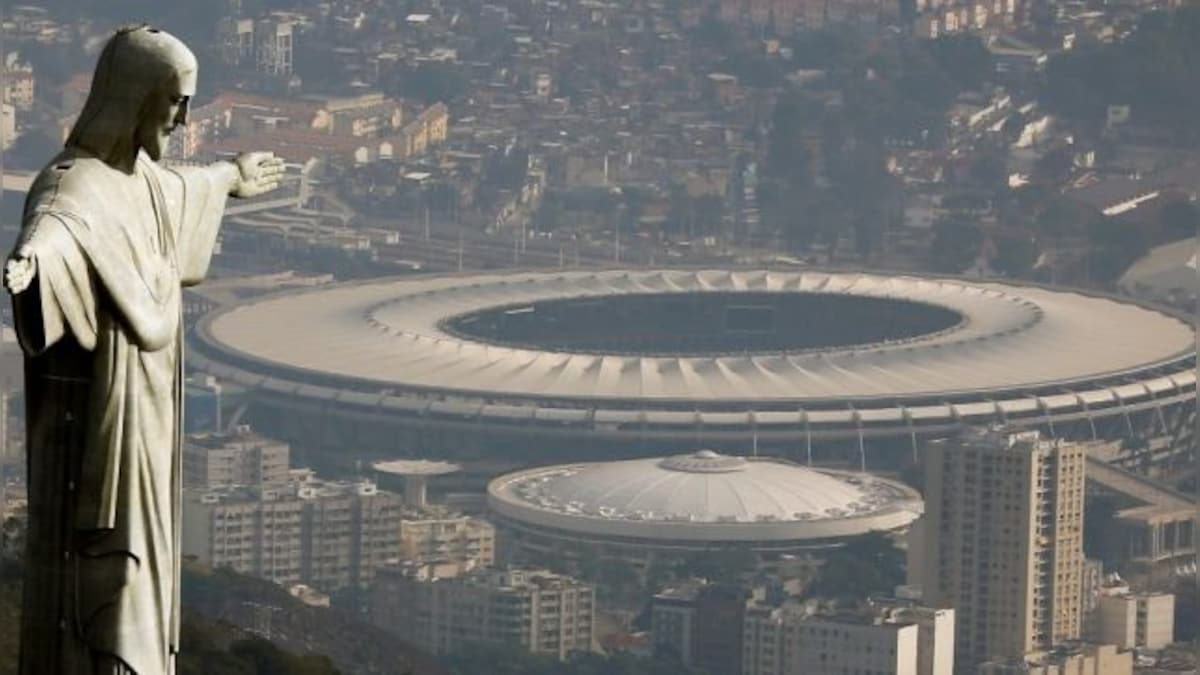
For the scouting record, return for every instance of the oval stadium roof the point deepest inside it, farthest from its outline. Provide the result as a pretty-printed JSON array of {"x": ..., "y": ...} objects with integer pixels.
[{"x": 389, "y": 335}]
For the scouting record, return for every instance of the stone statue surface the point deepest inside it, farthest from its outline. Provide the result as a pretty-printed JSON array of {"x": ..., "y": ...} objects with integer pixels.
[{"x": 109, "y": 236}]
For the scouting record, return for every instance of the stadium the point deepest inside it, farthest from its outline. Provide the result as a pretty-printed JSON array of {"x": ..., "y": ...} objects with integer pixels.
[
  {"x": 637, "y": 509},
  {"x": 625, "y": 363}
]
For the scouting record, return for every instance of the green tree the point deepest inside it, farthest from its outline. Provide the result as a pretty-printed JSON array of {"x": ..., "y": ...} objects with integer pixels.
[
  {"x": 618, "y": 578},
  {"x": 495, "y": 659},
  {"x": 955, "y": 245},
  {"x": 1054, "y": 166},
  {"x": 1153, "y": 69},
  {"x": 1179, "y": 220},
  {"x": 963, "y": 57},
  {"x": 267, "y": 659},
  {"x": 712, "y": 33},
  {"x": 430, "y": 82},
  {"x": 1057, "y": 216},
  {"x": 869, "y": 564},
  {"x": 726, "y": 565},
  {"x": 1114, "y": 245},
  {"x": 788, "y": 156},
  {"x": 1016, "y": 254}
]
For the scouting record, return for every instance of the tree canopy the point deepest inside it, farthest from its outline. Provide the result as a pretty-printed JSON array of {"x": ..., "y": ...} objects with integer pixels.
[
  {"x": 495, "y": 659},
  {"x": 869, "y": 564},
  {"x": 1153, "y": 71},
  {"x": 956, "y": 243}
]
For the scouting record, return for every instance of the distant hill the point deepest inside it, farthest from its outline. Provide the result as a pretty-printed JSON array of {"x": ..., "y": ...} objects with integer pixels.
[{"x": 226, "y": 617}]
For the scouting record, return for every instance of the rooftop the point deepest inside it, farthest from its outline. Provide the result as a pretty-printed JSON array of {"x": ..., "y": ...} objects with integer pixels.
[
  {"x": 416, "y": 467},
  {"x": 1012, "y": 338},
  {"x": 704, "y": 495}
]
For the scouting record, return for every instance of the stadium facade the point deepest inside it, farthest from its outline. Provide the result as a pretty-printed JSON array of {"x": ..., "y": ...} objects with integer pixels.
[{"x": 600, "y": 364}]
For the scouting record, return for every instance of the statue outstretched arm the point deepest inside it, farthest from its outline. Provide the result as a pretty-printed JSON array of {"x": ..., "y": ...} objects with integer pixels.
[
  {"x": 199, "y": 195},
  {"x": 49, "y": 278}
]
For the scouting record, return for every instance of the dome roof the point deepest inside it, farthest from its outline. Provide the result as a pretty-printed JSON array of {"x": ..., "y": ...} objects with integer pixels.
[
  {"x": 689, "y": 492},
  {"x": 708, "y": 487}
]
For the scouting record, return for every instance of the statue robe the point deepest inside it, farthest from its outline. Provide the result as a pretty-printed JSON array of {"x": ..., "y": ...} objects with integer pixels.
[{"x": 100, "y": 326}]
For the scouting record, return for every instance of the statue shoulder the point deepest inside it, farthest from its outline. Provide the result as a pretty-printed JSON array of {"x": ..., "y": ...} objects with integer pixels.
[{"x": 73, "y": 185}]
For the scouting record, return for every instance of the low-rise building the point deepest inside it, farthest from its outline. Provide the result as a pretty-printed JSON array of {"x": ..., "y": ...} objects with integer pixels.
[
  {"x": 535, "y": 610},
  {"x": 852, "y": 644},
  {"x": 434, "y": 534},
  {"x": 1072, "y": 659},
  {"x": 884, "y": 636},
  {"x": 782, "y": 635},
  {"x": 19, "y": 82},
  {"x": 698, "y": 623},
  {"x": 1129, "y": 620}
]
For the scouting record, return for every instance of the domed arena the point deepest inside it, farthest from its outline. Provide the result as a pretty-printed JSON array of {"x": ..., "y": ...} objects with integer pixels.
[
  {"x": 633, "y": 509},
  {"x": 622, "y": 363}
]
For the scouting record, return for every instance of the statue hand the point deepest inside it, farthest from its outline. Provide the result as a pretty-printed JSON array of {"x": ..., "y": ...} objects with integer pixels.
[
  {"x": 20, "y": 270},
  {"x": 258, "y": 173}
]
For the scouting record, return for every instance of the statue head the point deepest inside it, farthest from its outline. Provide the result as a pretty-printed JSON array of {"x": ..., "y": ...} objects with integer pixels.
[{"x": 140, "y": 92}]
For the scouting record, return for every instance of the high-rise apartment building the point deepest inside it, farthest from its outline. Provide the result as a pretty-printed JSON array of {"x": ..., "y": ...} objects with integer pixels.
[
  {"x": 324, "y": 534},
  {"x": 536, "y": 610},
  {"x": 1003, "y": 537}
]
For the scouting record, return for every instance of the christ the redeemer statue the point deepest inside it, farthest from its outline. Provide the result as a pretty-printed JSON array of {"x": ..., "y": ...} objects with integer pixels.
[{"x": 108, "y": 239}]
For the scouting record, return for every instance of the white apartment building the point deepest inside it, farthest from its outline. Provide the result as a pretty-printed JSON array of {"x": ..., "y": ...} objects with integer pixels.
[
  {"x": 274, "y": 45},
  {"x": 541, "y": 612},
  {"x": 328, "y": 535},
  {"x": 1072, "y": 659},
  {"x": 19, "y": 82},
  {"x": 243, "y": 457},
  {"x": 235, "y": 37},
  {"x": 889, "y": 638},
  {"x": 839, "y": 645},
  {"x": 433, "y": 534},
  {"x": 1130, "y": 620}
]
